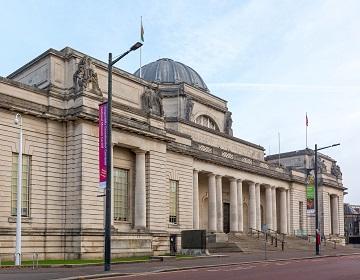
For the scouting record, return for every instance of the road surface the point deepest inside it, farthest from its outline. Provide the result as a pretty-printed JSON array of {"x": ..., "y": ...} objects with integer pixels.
[{"x": 334, "y": 268}]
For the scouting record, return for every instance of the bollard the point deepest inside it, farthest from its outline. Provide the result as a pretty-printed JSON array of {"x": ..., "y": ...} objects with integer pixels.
[{"x": 35, "y": 259}]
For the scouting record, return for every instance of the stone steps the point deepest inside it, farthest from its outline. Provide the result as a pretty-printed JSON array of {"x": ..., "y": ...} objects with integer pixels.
[
  {"x": 223, "y": 247},
  {"x": 249, "y": 243}
]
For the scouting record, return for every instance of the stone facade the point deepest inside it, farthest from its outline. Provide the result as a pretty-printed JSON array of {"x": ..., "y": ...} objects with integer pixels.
[{"x": 224, "y": 183}]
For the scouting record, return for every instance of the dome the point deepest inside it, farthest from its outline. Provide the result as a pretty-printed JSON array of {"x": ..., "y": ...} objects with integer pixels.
[{"x": 166, "y": 70}]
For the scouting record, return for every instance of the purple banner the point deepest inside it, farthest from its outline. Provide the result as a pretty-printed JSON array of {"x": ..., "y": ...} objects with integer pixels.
[{"x": 103, "y": 108}]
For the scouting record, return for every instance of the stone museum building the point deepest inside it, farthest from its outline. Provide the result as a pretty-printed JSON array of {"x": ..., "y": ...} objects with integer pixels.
[{"x": 176, "y": 163}]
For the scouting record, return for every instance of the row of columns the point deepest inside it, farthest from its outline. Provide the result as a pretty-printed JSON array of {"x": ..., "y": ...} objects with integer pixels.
[{"x": 215, "y": 205}]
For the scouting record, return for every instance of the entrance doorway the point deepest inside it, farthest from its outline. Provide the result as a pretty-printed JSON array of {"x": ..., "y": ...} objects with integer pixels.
[{"x": 226, "y": 219}]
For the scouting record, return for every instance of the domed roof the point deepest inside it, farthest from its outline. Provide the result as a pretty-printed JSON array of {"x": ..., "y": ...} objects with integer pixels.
[{"x": 166, "y": 70}]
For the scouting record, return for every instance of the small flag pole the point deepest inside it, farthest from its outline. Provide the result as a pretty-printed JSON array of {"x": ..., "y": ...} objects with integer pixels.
[
  {"x": 142, "y": 39},
  {"x": 306, "y": 130},
  {"x": 279, "y": 146}
]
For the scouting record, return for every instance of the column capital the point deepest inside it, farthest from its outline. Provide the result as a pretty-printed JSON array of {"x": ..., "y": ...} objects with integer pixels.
[
  {"x": 250, "y": 183},
  {"x": 139, "y": 151},
  {"x": 232, "y": 179},
  {"x": 267, "y": 186},
  {"x": 257, "y": 184},
  {"x": 195, "y": 171},
  {"x": 210, "y": 174},
  {"x": 239, "y": 180},
  {"x": 273, "y": 187},
  {"x": 218, "y": 176}
]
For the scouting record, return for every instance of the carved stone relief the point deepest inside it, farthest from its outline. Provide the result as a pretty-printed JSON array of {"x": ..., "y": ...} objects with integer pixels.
[
  {"x": 189, "y": 108},
  {"x": 321, "y": 166},
  {"x": 335, "y": 170},
  {"x": 228, "y": 123},
  {"x": 85, "y": 76},
  {"x": 152, "y": 102}
]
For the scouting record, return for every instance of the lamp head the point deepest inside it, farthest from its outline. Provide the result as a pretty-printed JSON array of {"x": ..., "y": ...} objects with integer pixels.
[
  {"x": 136, "y": 46},
  {"x": 17, "y": 119}
]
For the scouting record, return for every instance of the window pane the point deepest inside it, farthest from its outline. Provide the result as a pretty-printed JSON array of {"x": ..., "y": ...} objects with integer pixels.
[
  {"x": 25, "y": 182},
  {"x": 121, "y": 194},
  {"x": 173, "y": 201}
]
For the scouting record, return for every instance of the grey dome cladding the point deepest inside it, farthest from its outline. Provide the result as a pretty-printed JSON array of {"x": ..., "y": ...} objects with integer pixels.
[{"x": 166, "y": 70}]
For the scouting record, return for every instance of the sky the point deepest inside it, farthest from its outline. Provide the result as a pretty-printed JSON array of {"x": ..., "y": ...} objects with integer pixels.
[{"x": 272, "y": 60}]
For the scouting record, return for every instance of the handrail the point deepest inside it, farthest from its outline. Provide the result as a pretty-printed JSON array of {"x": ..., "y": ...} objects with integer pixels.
[{"x": 268, "y": 233}]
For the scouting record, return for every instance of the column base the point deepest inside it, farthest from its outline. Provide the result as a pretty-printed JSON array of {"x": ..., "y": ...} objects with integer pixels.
[
  {"x": 236, "y": 233},
  {"x": 140, "y": 228},
  {"x": 217, "y": 237}
]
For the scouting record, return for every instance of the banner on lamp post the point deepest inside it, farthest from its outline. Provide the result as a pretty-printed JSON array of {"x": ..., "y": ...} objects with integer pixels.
[
  {"x": 310, "y": 195},
  {"x": 103, "y": 108}
]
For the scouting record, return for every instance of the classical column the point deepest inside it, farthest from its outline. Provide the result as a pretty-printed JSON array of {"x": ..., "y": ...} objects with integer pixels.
[
  {"x": 252, "y": 206},
  {"x": 140, "y": 191},
  {"x": 288, "y": 210},
  {"x": 196, "y": 224},
  {"x": 219, "y": 204},
  {"x": 274, "y": 214},
  {"x": 268, "y": 196},
  {"x": 335, "y": 214},
  {"x": 258, "y": 207},
  {"x": 240, "y": 210},
  {"x": 212, "y": 226},
  {"x": 283, "y": 211},
  {"x": 233, "y": 206}
]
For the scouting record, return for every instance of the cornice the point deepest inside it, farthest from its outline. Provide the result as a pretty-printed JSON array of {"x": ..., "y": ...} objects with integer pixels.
[
  {"x": 218, "y": 160},
  {"x": 195, "y": 125}
]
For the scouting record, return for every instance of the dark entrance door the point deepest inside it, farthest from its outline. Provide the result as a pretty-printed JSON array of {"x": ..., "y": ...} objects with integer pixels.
[{"x": 226, "y": 219}]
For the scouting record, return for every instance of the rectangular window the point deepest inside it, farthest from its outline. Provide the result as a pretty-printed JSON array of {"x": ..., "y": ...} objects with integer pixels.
[
  {"x": 173, "y": 215},
  {"x": 25, "y": 192},
  {"x": 121, "y": 194}
]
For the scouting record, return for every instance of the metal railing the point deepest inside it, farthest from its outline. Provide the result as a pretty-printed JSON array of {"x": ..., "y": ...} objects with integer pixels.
[
  {"x": 34, "y": 259},
  {"x": 273, "y": 235}
]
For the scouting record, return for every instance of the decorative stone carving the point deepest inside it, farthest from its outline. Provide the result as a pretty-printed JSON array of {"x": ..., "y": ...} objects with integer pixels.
[
  {"x": 152, "y": 102},
  {"x": 85, "y": 76},
  {"x": 335, "y": 170},
  {"x": 227, "y": 155},
  {"x": 321, "y": 165},
  {"x": 205, "y": 149},
  {"x": 189, "y": 108},
  {"x": 228, "y": 123}
]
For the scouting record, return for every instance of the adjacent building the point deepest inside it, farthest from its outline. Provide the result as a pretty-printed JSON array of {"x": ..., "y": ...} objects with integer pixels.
[{"x": 176, "y": 163}]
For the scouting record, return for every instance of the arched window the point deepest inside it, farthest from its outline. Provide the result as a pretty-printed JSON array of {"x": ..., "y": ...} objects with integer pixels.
[{"x": 206, "y": 121}]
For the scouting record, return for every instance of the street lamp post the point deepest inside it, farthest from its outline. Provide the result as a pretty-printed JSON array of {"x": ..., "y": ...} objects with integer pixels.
[
  {"x": 107, "y": 239},
  {"x": 18, "y": 121},
  {"x": 317, "y": 227}
]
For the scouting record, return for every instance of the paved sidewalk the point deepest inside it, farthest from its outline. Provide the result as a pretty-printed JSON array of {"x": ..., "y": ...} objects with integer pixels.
[{"x": 230, "y": 258}]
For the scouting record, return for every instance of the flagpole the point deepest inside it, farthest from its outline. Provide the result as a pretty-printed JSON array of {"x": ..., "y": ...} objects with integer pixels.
[
  {"x": 306, "y": 129},
  {"x": 279, "y": 146},
  {"x": 140, "y": 62},
  {"x": 141, "y": 38}
]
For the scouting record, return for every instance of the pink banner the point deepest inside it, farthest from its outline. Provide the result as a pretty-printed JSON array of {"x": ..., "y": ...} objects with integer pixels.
[{"x": 102, "y": 144}]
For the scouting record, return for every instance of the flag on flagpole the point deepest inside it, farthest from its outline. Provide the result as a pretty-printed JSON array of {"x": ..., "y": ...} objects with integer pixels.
[
  {"x": 307, "y": 120},
  {"x": 142, "y": 31}
]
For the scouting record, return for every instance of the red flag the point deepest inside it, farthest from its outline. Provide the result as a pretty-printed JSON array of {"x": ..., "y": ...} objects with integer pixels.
[{"x": 307, "y": 121}]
